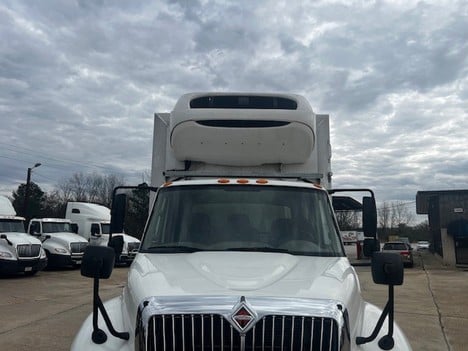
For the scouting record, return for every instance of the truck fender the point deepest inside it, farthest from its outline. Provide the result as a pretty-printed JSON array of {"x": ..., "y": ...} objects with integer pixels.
[
  {"x": 114, "y": 308},
  {"x": 370, "y": 316}
]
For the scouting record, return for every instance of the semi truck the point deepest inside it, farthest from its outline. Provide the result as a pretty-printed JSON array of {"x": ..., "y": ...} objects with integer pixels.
[
  {"x": 93, "y": 223},
  {"x": 63, "y": 247},
  {"x": 19, "y": 252},
  {"x": 242, "y": 249}
]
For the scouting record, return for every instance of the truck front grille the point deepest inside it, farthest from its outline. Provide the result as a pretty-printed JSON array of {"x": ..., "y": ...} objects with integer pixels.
[
  {"x": 28, "y": 250},
  {"x": 241, "y": 323},
  {"x": 78, "y": 247},
  {"x": 214, "y": 332}
]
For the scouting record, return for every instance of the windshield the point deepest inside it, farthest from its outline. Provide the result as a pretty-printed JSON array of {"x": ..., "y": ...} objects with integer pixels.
[
  {"x": 242, "y": 218},
  {"x": 56, "y": 227},
  {"x": 395, "y": 246},
  {"x": 11, "y": 225},
  {"x": 105, "y": 228}
]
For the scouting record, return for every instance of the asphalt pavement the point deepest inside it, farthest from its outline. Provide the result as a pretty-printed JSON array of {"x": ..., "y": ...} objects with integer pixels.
[{"x": 44, "y": 312}]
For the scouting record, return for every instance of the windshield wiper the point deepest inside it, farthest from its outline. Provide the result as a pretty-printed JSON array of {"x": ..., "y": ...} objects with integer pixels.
[
  {"x": 172, "y": 249},
  {"x": 257, "y": 249}
]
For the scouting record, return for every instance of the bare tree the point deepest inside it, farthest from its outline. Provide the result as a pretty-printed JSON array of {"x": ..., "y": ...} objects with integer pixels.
[
  {"x": 392, "y": 217},
  {"x": 348, "y": 220},
  {"x": 401, "y": 214},
  {"x": 384, "y": 215},
  {"x": 93, "y": 187}
]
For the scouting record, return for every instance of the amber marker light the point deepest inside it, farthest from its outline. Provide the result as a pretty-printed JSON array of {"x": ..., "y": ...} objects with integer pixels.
[
  {"x": 167, "y": 184},
  {"x": 242, "y": 181},
  {"x": 223, "y": 181},
  {"x": 262, "y": 181}
]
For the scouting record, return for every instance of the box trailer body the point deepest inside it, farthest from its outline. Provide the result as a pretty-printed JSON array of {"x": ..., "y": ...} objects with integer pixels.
[
  {"x": 63, "y": 247},
  {"x": 19, "y": 252},
  {"x": 93, "y": 223},
  {"x": 241, "y": 250}
]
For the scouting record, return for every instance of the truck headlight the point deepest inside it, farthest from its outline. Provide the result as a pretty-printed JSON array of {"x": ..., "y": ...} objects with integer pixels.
[
  {"x": 6, "y": 255},
  {"x": 60, "y": 250},
  {"x": 42, "y": 253}
]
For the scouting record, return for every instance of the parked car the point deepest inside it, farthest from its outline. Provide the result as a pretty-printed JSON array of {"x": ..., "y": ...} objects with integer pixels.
[
  {"x": 423, "y": 245},
  {"x": 401, "y": 248}
]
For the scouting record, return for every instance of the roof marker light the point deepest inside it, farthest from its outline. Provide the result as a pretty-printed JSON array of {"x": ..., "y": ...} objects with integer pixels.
[
  {"x": 262, "y": 181},
  {"x": 167, "y": 184},
  {"x": 242, "y": 181},
  {"x": 223, "y": 181}
]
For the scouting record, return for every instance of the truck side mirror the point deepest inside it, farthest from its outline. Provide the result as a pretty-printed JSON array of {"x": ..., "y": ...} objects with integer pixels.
[
  {"x": 119, "y": 203},
  {"x": 117, "y": 243},
  {"x": 370, "y": 246},
  {"x": 369, "y": 216},
  {"x": 98, "y": 262},
  {"x": 74, "y": 228},
  {"x": 387, "y": 268}
]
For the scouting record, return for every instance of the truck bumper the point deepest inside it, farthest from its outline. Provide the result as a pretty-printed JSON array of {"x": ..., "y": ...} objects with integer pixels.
[
  {"x": 20, "y": 266},
  {"x": 126, "y": 258},
  {"x": 64, "y": 260}
]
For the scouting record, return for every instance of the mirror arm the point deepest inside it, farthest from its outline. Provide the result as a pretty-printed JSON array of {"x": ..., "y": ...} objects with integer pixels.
[
  {"x": 99, "y": 336},
  {"x": 4, "y": 236},
  {"x": 386, "y": 342}
]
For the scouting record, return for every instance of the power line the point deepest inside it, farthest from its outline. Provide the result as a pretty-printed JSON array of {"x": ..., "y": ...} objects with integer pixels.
[{"x": 31, "y": 152}]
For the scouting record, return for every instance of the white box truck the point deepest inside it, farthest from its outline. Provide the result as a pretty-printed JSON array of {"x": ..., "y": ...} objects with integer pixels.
[
  {"x": 19, "y": 252},
  {"x": 63, "y": 247},
  {"x": 241, "y": 250},
  {"x": 93, "y": 223}
]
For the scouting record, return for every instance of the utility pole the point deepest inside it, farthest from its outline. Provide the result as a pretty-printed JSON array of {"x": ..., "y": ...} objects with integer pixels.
[{"x": 27, "y": 191}]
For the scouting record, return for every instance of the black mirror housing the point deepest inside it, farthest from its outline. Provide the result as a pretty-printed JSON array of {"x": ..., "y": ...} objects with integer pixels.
[
  {"x": 370, "y": 246},
  {"x": 117, "y": 243},
  {"x": 369, "y": 216},
  {"x": 98, "y": 262},
  {"x": 119, "y": 204},
  {"x": 387, "y": 268}
]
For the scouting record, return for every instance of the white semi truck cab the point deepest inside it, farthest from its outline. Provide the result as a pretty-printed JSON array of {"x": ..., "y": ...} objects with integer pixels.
[
  {"x": 19, "y": 252},
  {"x": 63, "y": 247},
  {"x": 93, "y": 223},
  {"x": 241, "y": 250}
]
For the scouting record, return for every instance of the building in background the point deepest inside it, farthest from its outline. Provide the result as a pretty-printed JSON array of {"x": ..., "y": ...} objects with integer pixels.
[{"x": 447, "y": 212}]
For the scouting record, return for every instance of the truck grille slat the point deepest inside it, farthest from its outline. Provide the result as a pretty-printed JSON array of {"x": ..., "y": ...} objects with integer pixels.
[
  {"x": 78, "y": 247},
  {"x": 204, "y": 332},
  {"x": 28, "y": 250}
]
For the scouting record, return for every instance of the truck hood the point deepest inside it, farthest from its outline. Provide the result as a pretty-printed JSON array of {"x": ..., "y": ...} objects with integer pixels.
[
  {"x": 129, "y": 238},
  {"x": 21, "y": 238},
  {"x": 242, "y": 273},
  {"x": 62, "y": 239}
]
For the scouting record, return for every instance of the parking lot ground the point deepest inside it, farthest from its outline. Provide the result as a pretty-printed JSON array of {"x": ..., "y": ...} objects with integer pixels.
[
  {"x": 430, "y": 306},
  {"x": 44, "y": 312}
]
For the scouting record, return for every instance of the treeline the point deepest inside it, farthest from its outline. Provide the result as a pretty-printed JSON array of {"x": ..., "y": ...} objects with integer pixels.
[
  {"x": 94, "y": 188},
  {"x": 393, "y": 219}
]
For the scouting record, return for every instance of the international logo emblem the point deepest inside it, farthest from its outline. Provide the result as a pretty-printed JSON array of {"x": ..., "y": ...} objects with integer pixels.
[{"x": 243, "y": 316}]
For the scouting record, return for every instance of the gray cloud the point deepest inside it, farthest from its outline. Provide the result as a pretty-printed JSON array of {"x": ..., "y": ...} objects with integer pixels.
[{"x": 80, "y": 82}]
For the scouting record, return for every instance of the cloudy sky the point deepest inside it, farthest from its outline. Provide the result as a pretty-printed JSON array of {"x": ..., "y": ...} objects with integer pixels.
[{"x": 81, "y": 80}]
